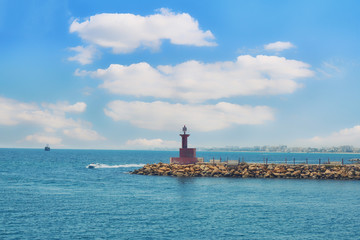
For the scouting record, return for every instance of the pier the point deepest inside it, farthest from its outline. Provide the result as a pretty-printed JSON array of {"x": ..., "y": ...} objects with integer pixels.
[
  {"x": 254, "y": 170},
  {"x": 188, "y": 165}
]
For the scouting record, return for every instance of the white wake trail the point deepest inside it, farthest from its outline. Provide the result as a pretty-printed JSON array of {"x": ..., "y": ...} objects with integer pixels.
[{"x": 100, "y": 165}]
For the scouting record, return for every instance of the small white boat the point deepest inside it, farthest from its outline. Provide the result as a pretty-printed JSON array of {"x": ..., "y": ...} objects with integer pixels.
[{"x": 92, "y": 165}]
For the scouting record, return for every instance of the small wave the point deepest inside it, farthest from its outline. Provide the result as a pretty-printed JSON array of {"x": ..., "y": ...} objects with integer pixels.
[{"x": 100, "y": 165}]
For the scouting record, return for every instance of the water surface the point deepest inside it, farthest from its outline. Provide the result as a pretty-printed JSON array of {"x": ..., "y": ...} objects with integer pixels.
[{"x": 52, "y": 195}]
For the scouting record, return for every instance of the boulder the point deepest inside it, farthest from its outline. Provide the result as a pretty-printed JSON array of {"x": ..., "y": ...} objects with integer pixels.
[
  {"x": 252, "y": 167},
  {"x": 252, "y": 170},
  {"x": 237, "y": 174}
]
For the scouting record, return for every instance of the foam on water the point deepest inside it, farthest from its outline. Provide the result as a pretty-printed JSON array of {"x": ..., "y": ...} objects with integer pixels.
[{"x": 101, "y": 165}]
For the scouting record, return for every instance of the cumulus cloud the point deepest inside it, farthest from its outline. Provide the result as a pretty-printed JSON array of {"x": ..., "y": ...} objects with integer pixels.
[
  {"x": 11, "y": 111},
  {"x": 43, "y": 139},
  {"x": 124, "y": 32},
  {"x": 83, "y": 134},
  {"x": 143, "y": 143},
  {"x": 50, "y": 117},
  {"x": 195, "y": 81},
  {"x": 78, "y": 107},
  {"x": 85, "y": 55},
  {"x": 165, "y": 116},
  {"x": 347, "y": 136},
  {"x": 278, "y": 46}
]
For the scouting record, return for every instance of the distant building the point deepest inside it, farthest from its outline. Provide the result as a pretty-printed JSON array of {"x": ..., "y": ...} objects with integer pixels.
[{"x": 187, "y": 155}]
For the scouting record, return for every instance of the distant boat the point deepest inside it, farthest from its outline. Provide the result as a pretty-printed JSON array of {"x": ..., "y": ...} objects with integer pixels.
[{"x": 47, "y": 147}]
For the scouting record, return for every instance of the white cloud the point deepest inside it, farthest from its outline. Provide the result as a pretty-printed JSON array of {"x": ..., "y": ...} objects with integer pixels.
[
  {"x": 78, "y": 107},
  {"x": 11, "y": 111},
  {"x": 85, "y": 55},
  {"x": 165, "y": 116},
  {"x": 49, "y": 130},
  {"x": 80, "y": 73},
  {"x": 83, "y": 134},
  {"x": 347, "y": 136},
  {"x": 329, "y": 70},
  {"x": 50, "y": 117},
  {"x": 278, "y": 46},
  {"x": 143, "y": 143},
  {"x": 194, "y": 81},
  {"x": 124, "y": 32},
  {"x": 43, "y": 139}
]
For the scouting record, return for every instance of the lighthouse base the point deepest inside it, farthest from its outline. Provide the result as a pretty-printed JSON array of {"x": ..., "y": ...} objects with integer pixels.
[
  {"x": 187, "y": 156},
  {"x": 183, "y": 160}
]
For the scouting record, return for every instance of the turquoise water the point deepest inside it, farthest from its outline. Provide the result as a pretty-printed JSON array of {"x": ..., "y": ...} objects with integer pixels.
[{"x": 52, "y": 195}]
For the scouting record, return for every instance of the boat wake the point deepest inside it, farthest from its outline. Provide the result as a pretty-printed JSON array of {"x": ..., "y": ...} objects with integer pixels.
[{"x": 100, "y": 165}]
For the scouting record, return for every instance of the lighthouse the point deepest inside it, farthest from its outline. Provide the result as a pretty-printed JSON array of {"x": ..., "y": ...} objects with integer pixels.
[{"x": 187, "y": 155}]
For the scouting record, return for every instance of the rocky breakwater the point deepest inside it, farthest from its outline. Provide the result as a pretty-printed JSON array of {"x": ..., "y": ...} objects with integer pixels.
[{"x": 252, "y": 170}]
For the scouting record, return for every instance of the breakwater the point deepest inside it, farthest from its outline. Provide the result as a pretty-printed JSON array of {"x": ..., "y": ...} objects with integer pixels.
[{"x": 253, "y": 170}]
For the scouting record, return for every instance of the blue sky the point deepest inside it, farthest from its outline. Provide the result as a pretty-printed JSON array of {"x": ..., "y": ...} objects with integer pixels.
[{"x": 128, "y": 74}]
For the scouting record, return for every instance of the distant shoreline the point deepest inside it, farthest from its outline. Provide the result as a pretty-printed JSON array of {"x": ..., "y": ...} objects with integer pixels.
[
  {"x": 279, "y": 152},
  {"x": 176, "y": 149}
]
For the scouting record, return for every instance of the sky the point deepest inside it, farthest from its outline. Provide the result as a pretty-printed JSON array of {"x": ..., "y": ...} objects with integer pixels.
[{"x": 129, "y": 74}]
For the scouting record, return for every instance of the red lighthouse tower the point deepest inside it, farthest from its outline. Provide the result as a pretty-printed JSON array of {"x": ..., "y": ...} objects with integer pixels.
[{"x": 187, "y": 155}]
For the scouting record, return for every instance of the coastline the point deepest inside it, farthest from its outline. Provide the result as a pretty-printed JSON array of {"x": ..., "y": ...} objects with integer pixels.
[
  {"x": 291, "y": 152},
  {"x": 177, "y": 149},
  {"x": 254, "y": 170}
]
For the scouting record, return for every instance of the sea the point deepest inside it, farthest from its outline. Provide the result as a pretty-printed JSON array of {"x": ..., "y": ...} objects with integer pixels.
[{"x": 53, "y": 195}]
